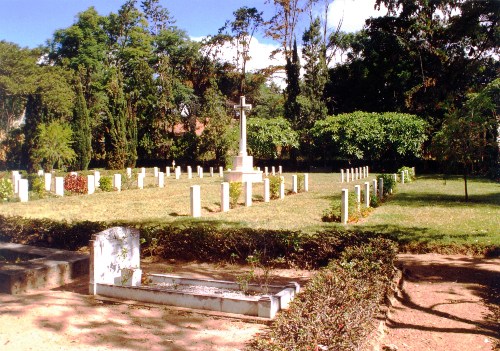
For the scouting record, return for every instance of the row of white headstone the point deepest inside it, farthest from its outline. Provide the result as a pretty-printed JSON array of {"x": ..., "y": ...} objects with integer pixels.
[
  {"x": 378, "y": 189},
  {"x": 353, "y": 174},
  {"x": 195, "y": 193}
]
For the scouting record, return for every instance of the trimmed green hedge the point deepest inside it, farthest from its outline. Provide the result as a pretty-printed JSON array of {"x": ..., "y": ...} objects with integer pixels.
[{"x": 337, "y": 308}]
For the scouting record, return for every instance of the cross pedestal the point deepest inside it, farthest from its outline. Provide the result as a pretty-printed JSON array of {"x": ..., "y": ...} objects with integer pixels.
[{"x": 243, "y": 164}]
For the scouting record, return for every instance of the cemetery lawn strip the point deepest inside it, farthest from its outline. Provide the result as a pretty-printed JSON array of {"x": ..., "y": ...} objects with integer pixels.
[{"x": 431, "y": 213}]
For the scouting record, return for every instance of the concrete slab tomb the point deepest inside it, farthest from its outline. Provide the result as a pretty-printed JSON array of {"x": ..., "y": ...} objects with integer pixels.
[{"x": 115, "y": 272}]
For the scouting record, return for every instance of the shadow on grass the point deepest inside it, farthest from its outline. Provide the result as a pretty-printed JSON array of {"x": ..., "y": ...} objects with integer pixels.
[{"x": 449, "y": 200}]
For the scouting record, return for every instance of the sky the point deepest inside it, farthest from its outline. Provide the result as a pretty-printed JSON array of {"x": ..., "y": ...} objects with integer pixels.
[{"x": 30, "y": 23}]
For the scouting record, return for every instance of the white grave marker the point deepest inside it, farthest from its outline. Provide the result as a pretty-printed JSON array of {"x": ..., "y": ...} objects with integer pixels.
[
  {"x": 90, "y": 184},
  {"x": 267, "y": 194},
  {"x": 357, "y": 192},
  {"x": 155, "y": 171},
  {"x": 117, "y": 182},
  {"x": 306, "y": 182},
  {"x": 48, "y": 181},
  {"x": 140, "y": 181},
  {"x": 60, "y": 186},
  {"x": 190, "y": 172},
  {"x": 97, "y": 179},
  {"x": 381, "y": 188},
  {"x": 248, "y": 193},
  {"x": 367, "y": 194},
  {"x": 23, "y": 190},
  {"x": 221, "y": 172},
  {"x": 161, "y": 180},
  {"x": 348, "y": 175},
  {"x": 167, "y": 171},
  {"x": 344, "y": 207},
  {"x": 294, "y": 184},
  {"x": 341, "y": 175},
  {"x": 224, "y": 197},
  {"x": 129, "y": 172},
  {"x": 195, "y": 201}
]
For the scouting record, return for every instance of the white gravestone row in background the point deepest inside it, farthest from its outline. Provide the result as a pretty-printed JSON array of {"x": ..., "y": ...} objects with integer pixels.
[{"x": 353, "y": 174}]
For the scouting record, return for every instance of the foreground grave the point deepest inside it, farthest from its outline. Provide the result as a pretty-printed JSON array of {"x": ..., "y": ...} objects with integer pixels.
[{"x": 115, "y": 272}]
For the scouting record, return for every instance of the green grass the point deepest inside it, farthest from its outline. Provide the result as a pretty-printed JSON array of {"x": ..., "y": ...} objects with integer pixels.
[{"x": 428, "y": 210}]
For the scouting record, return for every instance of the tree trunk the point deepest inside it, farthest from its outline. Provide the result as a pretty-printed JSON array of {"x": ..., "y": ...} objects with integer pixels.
[{"x": 465, "y": 185}]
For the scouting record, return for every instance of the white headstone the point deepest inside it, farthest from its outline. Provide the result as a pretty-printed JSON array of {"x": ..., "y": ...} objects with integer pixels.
[
  {"x": 367, "y": 194},
  {"x": 341, "y": 175},
  {"x": 117, "y": 182},
  {"x": 367, "y": 171},
  {"x": 248, "y": 193},
  {"x": 266, "y": 171},
  {"x": 48, "y": 181},
  {"x": 306, "y": 182},
  {"x": 357, "y": 192},
  {"x": 344, "y": 206},
  {"x": 402, "y": 177},
  {"x": 178, "y": 172},
  {"x": 375, "y": 191},
  {"x": 40, "y": 173},
  {"x": 161, "y": 180},
  {"x": 352, "y": 174},
  {"x": 97, "y": 179},
  {"x": 73, "y": 173},
  {"x": 195, "y": 201},
  {"x": 190, "y": 172},
  {"x": 224, "y": 197},
  {"x": 155, "y": 171},
  {"x": 60, "y": 186},
  {"x": 167, "y": 171},
  {"x": 143, "y": 170},
  {"x": 200, "y": 172},
  {"x": 90, "y": 184},
  {"x": 129, "y": 172},
  {"x": 282, "y": 190},
  {"x": 221, "y": 172},
  {"x": 357, "y": 173},
  {"x": 280, "y": 170},
  {"x": 348, "y": 175},
  {"x": 267, "y": 194},
  {"x": 294, "y": 184},
  {"x": 23, "y": 190},
  {"x": 15, "y": 181},
  {"x": 273, "y": 171},
  {"x": 115, "y": 258},
  {"x": 381, "y": 188},
  {"x": 140, "y": 181},
  {"x": 211, "y": 172},
  {"x": 413, "y": 172}
]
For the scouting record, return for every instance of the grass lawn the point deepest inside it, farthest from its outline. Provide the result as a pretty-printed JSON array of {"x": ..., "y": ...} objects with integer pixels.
[{"x": 426, "y": 210}]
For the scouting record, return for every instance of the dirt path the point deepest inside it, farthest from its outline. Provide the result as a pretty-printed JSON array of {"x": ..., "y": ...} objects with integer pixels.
[{"x": 445, "y": 303}]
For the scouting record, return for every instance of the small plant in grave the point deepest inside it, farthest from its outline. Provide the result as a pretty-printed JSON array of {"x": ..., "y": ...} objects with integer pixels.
[
  {"x": 105, "y": 184},
  {"x": 75, "y": 184},
  {"x": 333, "y": 213},
  {"x": 235, "y": 190},
  {"x": 389, "y": 183},
  {"x": 274, "y": 186},
  {"x": 37, "y": 186},
  {"x": 408, "y": 178},
  {"x": 6, "y": 190}
]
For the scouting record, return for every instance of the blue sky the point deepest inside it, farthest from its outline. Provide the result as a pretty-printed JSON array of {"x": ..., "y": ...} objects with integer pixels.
[{"x": 30, "y": 23}]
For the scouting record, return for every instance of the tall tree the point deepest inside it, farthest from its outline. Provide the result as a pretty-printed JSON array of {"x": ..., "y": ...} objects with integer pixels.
[
  {"x": 82, "y": 136},
  {"x": 292, "y": 91},
  {"x": 53, "y": 145},
  {"x": 283, "y": 24}
]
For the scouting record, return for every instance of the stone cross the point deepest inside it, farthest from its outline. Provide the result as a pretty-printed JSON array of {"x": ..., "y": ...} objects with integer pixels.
[{"x": 243, "y": 125}]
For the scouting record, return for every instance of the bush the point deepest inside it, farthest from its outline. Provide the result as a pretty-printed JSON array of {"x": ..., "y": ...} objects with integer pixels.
[
  {"x": 333, "y": 213},
  {"x": 274, "y": 186},
  {"x": 235, "y": 189},
  {"x": 300, "y": 182},
  {"x": 105, "y": 183},
  {"x": 389, "y": 183},
  {"x": 75, "y": 184},
  {"x": 37, "y": 185},
  {"x": 6, "y": 190},
  {"x": 336, "y": 309},
  {"x": 411, "y": 175}
]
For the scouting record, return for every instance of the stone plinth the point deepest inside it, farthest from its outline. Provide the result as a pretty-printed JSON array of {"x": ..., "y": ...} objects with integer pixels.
[{"x": 243, "y": 171}]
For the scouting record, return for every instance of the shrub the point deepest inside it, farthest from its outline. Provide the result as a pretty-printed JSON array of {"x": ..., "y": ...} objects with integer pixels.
[
  {"x": 389, "y": 183},
  {"x": 37, "y": 185},
  {"x": 75, "y": 184},
  {"x": 274, "y": 186},
  {"x": 336, "y": 309},
  {"x": 333, "y": 213},
  {"x": 374, "y": 201},
  {"x": 411, "y": 175},
  {"x": 6, "y": 190},
  {"x": 235, "y": 189},
  {"x": 105, "y": 183},
  {"x": 300, "y": 183}
]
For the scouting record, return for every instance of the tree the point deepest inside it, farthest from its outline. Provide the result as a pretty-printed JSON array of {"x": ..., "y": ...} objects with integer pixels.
[
  {"x": 292, "y": 91},
  {"x": 283, "y": 24},
  {"x": 267, "y": 138},
  {"x": 469, "y": 136},
  {"x": 53, "y": 145},
  {"x": 82, "y": 136}
]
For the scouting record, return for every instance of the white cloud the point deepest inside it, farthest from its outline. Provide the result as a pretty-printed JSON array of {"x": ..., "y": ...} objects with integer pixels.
[{"x": 354, "y": 13}]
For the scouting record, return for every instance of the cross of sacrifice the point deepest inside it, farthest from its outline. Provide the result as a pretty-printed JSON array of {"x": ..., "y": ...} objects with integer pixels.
[{"x": 243, "y": 125}]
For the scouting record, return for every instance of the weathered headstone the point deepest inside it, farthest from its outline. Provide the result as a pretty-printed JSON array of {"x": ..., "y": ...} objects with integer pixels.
[
  {"x": 344, "y": 206},
  {"x": 381, "y": 188},
  {"x": 348, "y": 175},
  {"x": 117, "y": 182},
  {"x": 189, "y": 172},
  {"x": 248, "y": 193},
  {"x": 306, "y": 182},
  {"x": 195, "y": 201},
  {"x": 60, "y": 186},
  {"x": 224, "y": 197},
  {"x": 97, "y": 179},
  {"x": 267, "y": 193},
  {"x": 341, "y": 175},
  {"x": 23, "y": 190},
  {"x": 115, "y": 258},
  {"x": 90, "y": 184},
  {"x": 161, "y": 180}
]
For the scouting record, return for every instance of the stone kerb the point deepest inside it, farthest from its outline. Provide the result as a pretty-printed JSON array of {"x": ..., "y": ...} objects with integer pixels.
[{"x": 114, "y": 258}]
